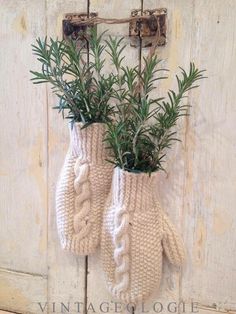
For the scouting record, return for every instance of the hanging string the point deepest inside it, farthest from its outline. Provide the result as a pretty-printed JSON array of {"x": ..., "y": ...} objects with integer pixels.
[
  {"x": 94, "y": 20},
  {"x": 99, "y": 20}
]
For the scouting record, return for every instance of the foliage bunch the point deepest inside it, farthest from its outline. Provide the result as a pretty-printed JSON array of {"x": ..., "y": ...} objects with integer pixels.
[
  {"x": 83, "y": 89},
  {"x": 140, "y": 128},
  {"x": 143, "y": 128}
]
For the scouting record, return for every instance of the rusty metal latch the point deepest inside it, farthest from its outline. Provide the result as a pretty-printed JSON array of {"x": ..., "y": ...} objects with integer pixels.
[
  {"x": 73, "y": 29},
  {"x": 150, "y": 29},
  {"x": 147, "y": 27}
]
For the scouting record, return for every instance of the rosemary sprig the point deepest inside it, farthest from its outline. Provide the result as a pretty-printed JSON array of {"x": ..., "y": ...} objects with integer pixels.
[
  {"x": 144, "y": 127},
  {"x": 84, "y": 91},
  {"x": 140, "y": 128}
]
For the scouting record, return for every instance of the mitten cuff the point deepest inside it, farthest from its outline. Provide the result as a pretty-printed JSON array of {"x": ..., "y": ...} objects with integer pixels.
[
  {"x": 133, "y": 190},
  {"x": 88, "y": 143}
]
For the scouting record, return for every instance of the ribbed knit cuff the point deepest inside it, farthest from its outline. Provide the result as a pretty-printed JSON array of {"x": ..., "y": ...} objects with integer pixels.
[
  {"x": 134, "y": 190},
  {"x": 88, "y": 143}
]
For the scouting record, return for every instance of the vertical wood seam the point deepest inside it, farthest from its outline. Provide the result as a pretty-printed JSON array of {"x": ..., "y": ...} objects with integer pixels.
[
  {"x": 140, "y": 69},
  {"x": 140, "y": 43},
  {"x": 86, "y": 263},
  {"x": 47, "y": 162},
  {"x": 185, "y": 158}
]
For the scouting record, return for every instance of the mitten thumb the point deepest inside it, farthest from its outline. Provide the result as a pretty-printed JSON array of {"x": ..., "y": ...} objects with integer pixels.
[{"x": 172, "y": 243}]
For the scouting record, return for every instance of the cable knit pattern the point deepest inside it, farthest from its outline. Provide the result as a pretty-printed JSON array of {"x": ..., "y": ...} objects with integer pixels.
[
  {"x": 134, "y": 235},
  {"x": 82, "y": 224},
  {"x": 121, "y": 238},
  {"x": 82, "y": 189}
]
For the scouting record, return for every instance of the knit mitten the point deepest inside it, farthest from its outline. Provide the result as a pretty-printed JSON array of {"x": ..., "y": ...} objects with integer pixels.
[
  {"x": 82, "y": 189},
  {"x": 135, "y": 233}
]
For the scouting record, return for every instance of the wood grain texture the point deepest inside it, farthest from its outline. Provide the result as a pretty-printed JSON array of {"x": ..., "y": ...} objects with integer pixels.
[
  {"x": 23, "y": 159},
  {"x": 210, "y": 178},
  {"x": 20, "y": 292},
  {"x": 23, "y": 152},
  {"x": 66, "y": 281},
  {"x": 198, "y": 192},
  {"x": 6, "y": 312}
]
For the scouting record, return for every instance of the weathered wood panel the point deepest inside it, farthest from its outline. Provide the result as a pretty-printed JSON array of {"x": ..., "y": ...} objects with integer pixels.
[
  {"x": 66, "y": 281},
  {"x": 210, "y": 178},
  {"x": 198, "y": 192},
  {"x": 23, "y": 159},
  {"x": 23, "y": 153},
  {"x": 21, "y": 292}
]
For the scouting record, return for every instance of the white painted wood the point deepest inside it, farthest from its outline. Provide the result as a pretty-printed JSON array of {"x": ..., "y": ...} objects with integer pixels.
[
  {"x": 66, "y": 281},
  {"x": 23, "y": 142},
  {"x": 194, "y": 307},
  {"x": 198, "y": 192},
  {"x": 23, "y": 160},
  {"x": 210, "y": 178},
  {"x": 4, "y": 312},
  {"x": 21, "y": 292}
]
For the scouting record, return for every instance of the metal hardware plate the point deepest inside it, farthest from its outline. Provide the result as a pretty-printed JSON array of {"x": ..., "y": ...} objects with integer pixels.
[
  {"x": 72, "y": 30},
  {"x": 150, "y": 30}
]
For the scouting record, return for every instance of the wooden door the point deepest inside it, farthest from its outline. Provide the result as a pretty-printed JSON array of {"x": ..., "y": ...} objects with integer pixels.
[{"x": 198, "y": 192}]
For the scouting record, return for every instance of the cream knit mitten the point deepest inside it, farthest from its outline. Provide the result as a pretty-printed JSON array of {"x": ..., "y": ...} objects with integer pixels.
[
  {"x": 82, "y": 189},
  {"x": 135, "y": 233}
]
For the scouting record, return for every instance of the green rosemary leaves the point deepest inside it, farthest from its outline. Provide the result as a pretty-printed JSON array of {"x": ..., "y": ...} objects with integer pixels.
[
  {"x": 139, "y": 128},
  {"x": 144, "y": 126},
  {"x": 83, "y": 89}
]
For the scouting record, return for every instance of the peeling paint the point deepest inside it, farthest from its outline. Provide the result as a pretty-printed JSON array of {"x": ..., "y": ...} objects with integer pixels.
[
  {"x": 20, "y": 24},
  {"x": 199, "y": 243},
  {"x": 221, "y": 222},
  {"x": 43, "y": 244},
  {"x": 37, "y": 219},
  {"x": 36, "y": 168},
  {"x": 178, "y": 24},
  {"x": 3, "y": 173},
  {"x": 12, "y": 295},
  {"x": 173, "y": 47},
  {"x": 54, "y": 140},
  {"x": 59, "y": 25},
  {"x": 23, "y": 24},
  {"x": 190, "y": 143}
]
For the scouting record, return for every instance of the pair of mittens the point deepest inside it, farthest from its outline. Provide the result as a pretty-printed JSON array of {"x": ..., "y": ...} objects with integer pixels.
[
  {"x": 135, "y": 230},
  {"x": 82, "y": 189},
  {"x": 135, "y": 233}
]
